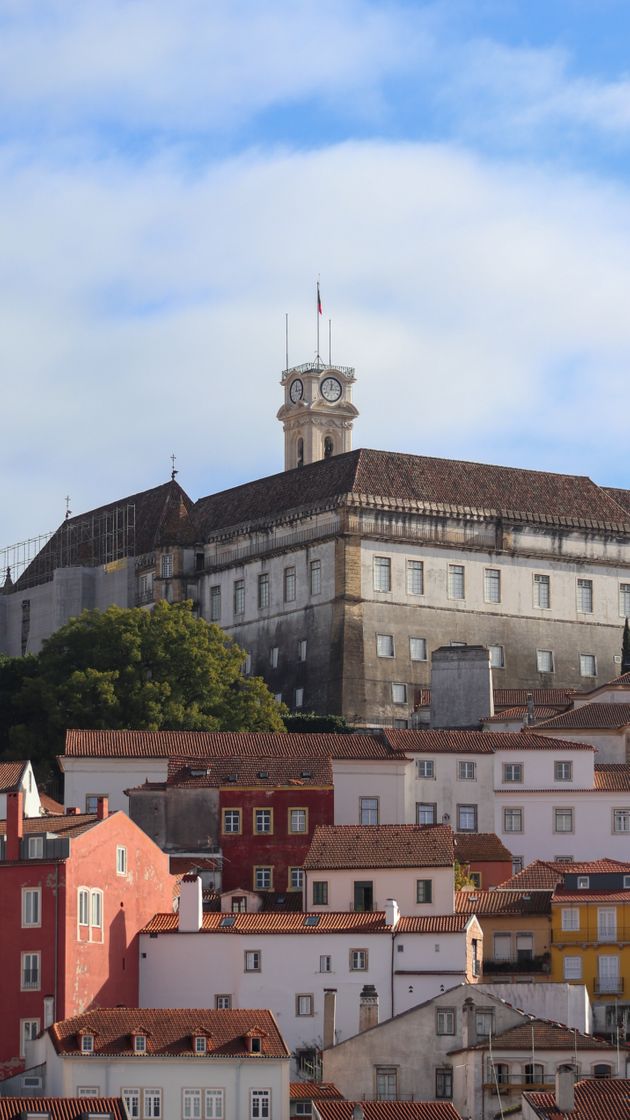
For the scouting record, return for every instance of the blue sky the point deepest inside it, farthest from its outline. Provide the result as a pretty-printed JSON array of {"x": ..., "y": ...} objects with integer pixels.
[{"x": 173, "y": 179}]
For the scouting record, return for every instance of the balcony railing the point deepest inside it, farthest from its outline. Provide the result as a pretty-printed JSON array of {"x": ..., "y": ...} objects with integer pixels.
[
  {"x": 524, "y": 964},
  {"x": 610, "y": 986}
]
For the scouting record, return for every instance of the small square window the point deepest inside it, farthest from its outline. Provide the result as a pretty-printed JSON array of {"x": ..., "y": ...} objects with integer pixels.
[
  {"x": 231, "y": 821},
  {"x": 621, "y": 821},
  {"x": 263, "y": 878},
  {"x": 512, "y": 771},
  {"x": 263, "y": 821},
  {"x": 563, "y": 820},
  {"x": 298, "y": 820},
  {"x": 358, "y": 960},
  {"x": 588, "y": 665},
  {"x": 466, "y": 770},
  {"x": 223, "y": 1002},
  {"x": 563, "y": 771},
  {"x": 304, "y": 1005},
  {"x": 425, "y": 768},
  {"x": 325, "y": 963},
  {"x": 253, "y": 960},
  {"x": 418, "y": 649},
  {"x": 583, "y": 882},
  {"x": 445, "y": 1020},
  {"x": 384, "y": 645},
  {"x": 544, "y": 660},
  {"x": 426, "y": 813},
  {"x": 399, "y": 693}
]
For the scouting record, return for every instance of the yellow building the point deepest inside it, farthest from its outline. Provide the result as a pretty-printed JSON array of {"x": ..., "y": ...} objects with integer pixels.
[{"x": 516, "y": 932}]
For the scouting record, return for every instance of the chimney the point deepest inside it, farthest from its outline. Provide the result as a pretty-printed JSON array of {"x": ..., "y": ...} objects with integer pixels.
[
  {"x": 565, "y": 1092},
  {"x": 358, "y": 1113},
  {"x": 530, "y": 709},
  {"x": 368, "y": 1008},
  {"x": 392, "y": 913},
  {"x": 469, "y": 1029},
  {"x": 190, "y": 904},
  {"x": 15, "y": 823},
  {"x": 461, "y": 686},
  {"x": 102, "y": 808},
  {"x": 72, "y": 811},
  {"x": 330, "y": 1014}
]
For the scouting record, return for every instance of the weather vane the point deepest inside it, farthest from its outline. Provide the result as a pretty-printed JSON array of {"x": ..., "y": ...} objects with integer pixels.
[
  {"x": 68, "y": 510},
  {"x": 173, "y": 471}
]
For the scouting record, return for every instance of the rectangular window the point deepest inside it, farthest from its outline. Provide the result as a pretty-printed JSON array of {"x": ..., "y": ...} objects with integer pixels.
[
  {"x": 424, "y": 890},
  {"x": 512, "y": 820},
  {"x": 263, "y": 591},
  {"x": 273, "y": 657},
  {"x": 239, "y": 596},
  {"x": 191, "y": 1104},
  {"x": 84, "y": 906},
  {"x": 263, "y": 821},
  {"x": 296, "y": 878},
  {"x": 444, "y": 1083},
  {"x": 298, "y": 698},
  {"x": 215, "y": 603},
  {"x": 36, "y": 847},
  {"x": 563, "y": 820},
  {"x": 121, "y": 860},
  {"x": 289, "y": 585},
  {"x": 31, "y": 971},
  {"x": 544, "y": 660},
  {"x": 415, "y": 577},
  {"x": 399, "y": 693},
  {"x": 585, "y": 596},
  {"x": 260, "y": 1104},
  {"x": 263, "y": 878},
  {"x": 382, "y": 573},
  {"x": 606, "y": 923},
  {"x": 497, "y": 657},
  {"x": 29, "y": 1029},
  {"x": 31, "y": 906},
  {"x": 524, "y": 946},
  {"x": 512, "y": 771},
  {"x": 368, "y": 810},
  {"x": 456, "y": 587},
  {"x": 301, "y": 649},
  {"x": 466, "y": 771},
  {"x": 96, "y": 907},
  {"x": 484, "y": 1021},
  {"x": 232, "y": 821},
  {"x": 418, "y": 649},
  {"x": 325, "y": 963},
  {"x": 298, "y": 820},
  {"x": 542, "y": 592},
  {"x": 426, "y": 812},
  {"x": 384, "y": 645},
  {"x": 320, "y": 893},
  {"x": 624, "y": 599},
  {"x": 502, "y": 946},
  {"x": 152, "y": 1104},
  {"x": 570, "y": 918},
  {"x": 131, "y": 1101},
  {"x": 316, "y": 577},
  {"x": 563, "y": 771},
  {"x": 445, "y": 1020},
  {"x": 166, "y": 565},
  {"x": 223, "y": 1001},
  {"x": 386, "y": 1083},
  {"x": 572, "y": 968},
  {"x": 492, "y": 585},
  {"x": 215, "y": 1105},
  {"x": 303, "y": 1005},
  {"x": 621, "y": 820},
  {"x": 466, "y": 818},
  {"x": 253, "y": 960},
  {"x": 425, "y": 768},
  {"x": 588, "y": 665},
  {"x": 358, "y": 960}
]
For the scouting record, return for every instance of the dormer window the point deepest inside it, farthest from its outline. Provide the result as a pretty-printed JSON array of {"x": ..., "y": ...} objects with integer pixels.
[
  {"x": 200, "y": 1044},
  {"x": 139, "y": 1043},
  {"x": 254, "y": 1041},
  {"x": 583, "y": 882},
  {"x": 87, "y": 1043}
]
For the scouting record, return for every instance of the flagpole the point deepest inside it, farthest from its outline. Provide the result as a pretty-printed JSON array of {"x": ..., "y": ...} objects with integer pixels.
[
  {"x": 317, "y": 313},
  {"x": 286, "y": 339},
  {"x": 330, "y": 343}
]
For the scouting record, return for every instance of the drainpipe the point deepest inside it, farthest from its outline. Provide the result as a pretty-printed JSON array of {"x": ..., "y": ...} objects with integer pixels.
[
  {"x": 392, "y": 974},
  {"x": 56, "y": 947}
]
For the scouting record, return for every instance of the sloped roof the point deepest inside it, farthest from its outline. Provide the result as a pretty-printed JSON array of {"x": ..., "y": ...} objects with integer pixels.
[
  {"x": 221, "y": 744},
  {"x": 267, "y": 773},
  {"x": 479, "y": 847},
  {"x": 389, "y": 1110},
  {"x": 72, "y": 824},
  {"x": 170, "y": 1032},
  {"x": 338, "y": 846},
  {"x": 313, "y": 1090},
  {"x": 612, "y": 776},
  {"x": 61, "y": 1108},
  {"x": 475, "y": 742},
  {"x": 546, "y": 1036},
  {"x": 589, "y": 717},
  {"x": 564, "y": 894},
  {"x": 597, "y": 1099},
  {"x": 508, "y": 698},
  {"x": 11, "y": 775},
  {"x": 622, "y": 681},
  {"x": 546, "y": 875},
  {"x": 343, "y": 921},
  {"x": 521, "y": 712},
  {"x": 506, "y": 903},
  {"x": 49, "y": 805}
]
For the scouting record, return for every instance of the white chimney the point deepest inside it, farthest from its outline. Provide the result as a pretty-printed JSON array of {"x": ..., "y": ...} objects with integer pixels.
[
  {"x": 392, "y": 912},
  {"x": 565, "y": 1091},
  {"x": 190, "y": 904}
]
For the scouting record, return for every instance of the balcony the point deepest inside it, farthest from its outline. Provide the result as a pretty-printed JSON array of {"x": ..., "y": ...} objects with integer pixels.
[
  {"x": 523, "y": 965},
  {"x": 612, "y": 985}
]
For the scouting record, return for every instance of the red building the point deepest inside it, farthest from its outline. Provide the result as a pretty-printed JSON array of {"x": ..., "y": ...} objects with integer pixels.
[
  {"x": 484, "y": 857},
  {"x": 74, "y": 892}
]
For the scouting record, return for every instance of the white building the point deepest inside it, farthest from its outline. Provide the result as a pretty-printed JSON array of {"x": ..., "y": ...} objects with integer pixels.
[{"x": 18, "y": 777}]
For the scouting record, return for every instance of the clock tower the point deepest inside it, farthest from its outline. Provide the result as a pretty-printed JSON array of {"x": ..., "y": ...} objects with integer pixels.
[{"x": 318, "y": 413}]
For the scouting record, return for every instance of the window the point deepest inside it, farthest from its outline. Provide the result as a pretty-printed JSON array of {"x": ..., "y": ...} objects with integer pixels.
[
  {"x": 563, "y": 820},
  {"x": 363, "y": 895},
  {"x": 512, "y": 820},
  {"x": 624, "y": 599},
  {"x": 588, "y": 665},
  {"x": 152, "y": 1103},
  {"x": 444, "y": 1082},
  {"x": 608, "y": 978},
  {"x": 542, "y": 592},
  {"x": 456, "y": 581},
  {"x": 31, "y": 906},
  {"x": 191, "y": 1104},
  {"x": 583, "y": 882},
  {"x": 89, "y": 1091},
  {"x": 466, "y": 771},
  {"x": 517, "y": 864},
  {"x": 29, "y": 1029},
  {"x": 534, "y": 1073},
  {"x": 570, "y": 918},
  {"x": 84, "y": 907},
  {"x": 425, "y": 768},
  {"x": 121, "y": 860},
  {"x": 301, "y": 649},
  {"x": 223, "y": 1002},
  {"x": 497, "y": 657},
  {"x": 358, "y": 960},
  {"x": 426, "y": 812},
  {"x": 418, "y": 649},
  {"x": 544, "y": 660},
  {"x": 201, "y": 1044},
  {"x": 231, "y": 821},
  {"x": 96, "y": 909},
  {"x": 368, "y": 810},
  {"x": 572, "y": 968},
  {"x": 131, "y": 1101},
  {"x": 263, "y": 821},
  {"x": 36, "y": 847},
  {"x": 484, "y": 1020},
  {"x": 386, "y": 1083},
  {"x": 263, "y": 591},
  {"x": 602, "y": 1069},
  {"x": 415, "y": 577},
  {"x": 606, "y": 923},
  {"x": 384, "y": 645},
  {"x": 492, "y": 585},
  {"x": 215, "y": 1105},
  {"x": 524, "y": 946},
  {"x": 239, "y": 904},
  {"x": 263, "y": 878},
  {"x": 466, "y": 818},
  {"x": 298, "y": 698},
  {"x": 563, "y": 771},
  {"x": 316, "y": 577},
  {"x": 445, "y": 1020},
  {"x": 87, "y": 1043},
  {"x": 296, "y": 878},
  {"x": 31, "y": 971},
  {"x": 239, "y": 596},
  {"x": 139, "y": 1043},
  {"x": 320, "y": 893},
  {"x": 260, "y": 1104},
  {"x": 298, "y": 820},
  {"x": 303, "y": 1005},
  {"x": 382, "y": 573},
  {"x": 399, "y": 693},
  {"x": 273, "y": 657},
  {"x": 424, "y": 890},
  {"x": 289, "y": 585},
  {"x": 166, "y": 565},
  {"x": 253, "y": 960},
  {"x": 325, "y": 963},
  {"x": 512, "y": 771},
  {"x": 502, "y": 946},
  {"x": 621, "y": 820},
  {"x": 215, "y": 603},
  {"x": 585, "y": 596}
]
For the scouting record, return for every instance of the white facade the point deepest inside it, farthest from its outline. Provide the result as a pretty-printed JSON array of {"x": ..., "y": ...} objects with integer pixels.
[
  {"x": 400, "y": 883},
  {"x": 370, "y": 780},
  {"x": 87, "y": 778},
  {"x": 28, "y": 786}
]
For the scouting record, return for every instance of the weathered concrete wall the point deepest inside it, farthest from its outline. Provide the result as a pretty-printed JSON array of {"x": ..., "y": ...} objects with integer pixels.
[{"x": 461, "y": 686}]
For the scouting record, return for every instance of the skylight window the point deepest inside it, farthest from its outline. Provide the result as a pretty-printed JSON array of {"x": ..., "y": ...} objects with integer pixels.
[
  {"x": 225, "y": 923},
  {"x": 312, "y": 919}
]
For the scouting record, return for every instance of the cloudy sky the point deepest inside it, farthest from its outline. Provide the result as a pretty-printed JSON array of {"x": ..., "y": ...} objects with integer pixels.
[{"x": 175, "y": 176}]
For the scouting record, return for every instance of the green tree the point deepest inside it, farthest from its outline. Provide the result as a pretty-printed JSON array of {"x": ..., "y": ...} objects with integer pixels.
[
  {"x": 135, "y": 669},
  {"x": 462, "y": 876},
  {"x": 311, "y": 722}
]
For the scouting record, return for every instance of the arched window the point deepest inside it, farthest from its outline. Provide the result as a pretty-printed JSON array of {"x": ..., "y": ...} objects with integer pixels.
[
  {"x": 498, "y": 1073},
  {"x": 602, "y": 1069},
  {"x": 328, "y": 447},
  {"x": 300, "y": 452}
]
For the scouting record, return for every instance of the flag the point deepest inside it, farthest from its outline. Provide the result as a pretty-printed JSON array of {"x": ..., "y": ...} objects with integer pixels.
[{"x": 319, "y": 301}]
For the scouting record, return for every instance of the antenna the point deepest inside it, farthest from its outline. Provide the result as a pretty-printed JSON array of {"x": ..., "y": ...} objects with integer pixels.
[{"x": 319, "y": 312}]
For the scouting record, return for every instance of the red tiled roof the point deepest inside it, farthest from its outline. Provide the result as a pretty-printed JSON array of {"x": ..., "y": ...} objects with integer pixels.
[
  {"x": 268, "y": 773},
  {"x": 507, "y": 698},
  {"x": 599, "y": 1099},
  {"x": 50, "y": 806},
  {"x": 546, "y": 1036},
  {"x": 68, "y": 825},
  {"x": 475, "y": 742},
  {"x": 336, "y": 922},
  {"x": 612, "y": 776},
  {"x": 61, "y": 1108},
  {"x": 389, "y": 1110},
  {"x": 480, "y": 847},
  {"x": 170, "y": 1032},
  {"x": 313, "y": 1090},
  {"x": 483, "y": 903},
  {"x": 337, "y": 846},
  {"x": 11, "y": 775},
  {"x": 520, "y": 713},
  {"x": 562, "y": 895},
  {"x": 590, "y": 717},
  {"x": 622, "y": 681},
  {"x": 221, "y": 744},
  {"x": 546, "y": 875}
]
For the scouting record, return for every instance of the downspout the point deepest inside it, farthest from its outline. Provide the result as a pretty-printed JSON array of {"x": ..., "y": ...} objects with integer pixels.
[
  {"x": 56, "y": 947},
  {"x": 391, "y": 996}
]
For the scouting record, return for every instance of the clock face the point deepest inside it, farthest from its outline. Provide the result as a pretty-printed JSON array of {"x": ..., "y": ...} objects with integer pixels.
[
  {"x": 331, "y": 389},
  {"x": 296, "y": 392}
]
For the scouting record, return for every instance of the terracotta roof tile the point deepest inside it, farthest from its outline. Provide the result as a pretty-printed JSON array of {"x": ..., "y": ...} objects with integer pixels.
[
  {"x": 475, "y": 742},
  {"x": 521, "y": 712},
  {"x": 387, "y": 845},
  {"x": 546, "y": 875},
  {"x": 506, "y": 698},
  {"x": 336, "y": 922},
  {"x": 389, "y": 1110},
  {"x": 563, "y": 895},
  {"x": 547, "y": 1036},
  {"x": 504, "y": 902},
  {"x": 11, "y": 775},
  {"x": 313, "y": 1090},
  {"x": 267, "y": 773},
  {"x": 612, "y": 776},
  {"x": 169, "y": 1032},
  {"x": 589, "y": 717},
  {"x": 478, "y": 847},
  {"x": 221, "y": 744},
  {"x": 61, "y": 1108},
  {"x": 622, "y": 681},
  {"x": 599, "y": 1099},
  {"x": 68, "y": 825},
  {"x": 50, "y": 806}
]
